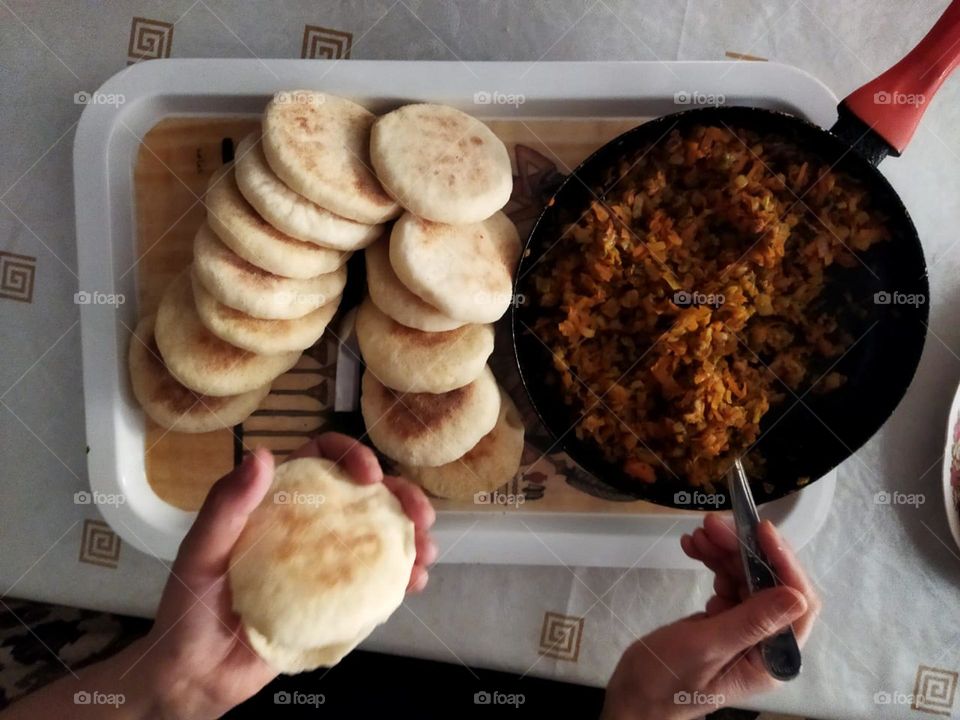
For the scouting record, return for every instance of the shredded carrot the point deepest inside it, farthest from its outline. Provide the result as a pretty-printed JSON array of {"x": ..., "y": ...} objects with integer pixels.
[{"x": 687, "y": 298}]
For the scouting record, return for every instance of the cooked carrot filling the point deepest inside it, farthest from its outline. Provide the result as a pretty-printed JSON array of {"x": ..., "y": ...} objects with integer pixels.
[{"x": 688, "y": 302}]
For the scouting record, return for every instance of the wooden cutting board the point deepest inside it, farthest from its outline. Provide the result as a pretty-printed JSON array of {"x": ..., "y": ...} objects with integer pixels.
[{"x": 175, "y": 161}]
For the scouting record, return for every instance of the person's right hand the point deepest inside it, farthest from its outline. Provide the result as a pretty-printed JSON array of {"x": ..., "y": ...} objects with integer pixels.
[{"x": 711, "y": 659}]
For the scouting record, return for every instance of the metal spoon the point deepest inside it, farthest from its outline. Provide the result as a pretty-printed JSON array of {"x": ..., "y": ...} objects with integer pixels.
[{"x": 781, "y": 654}]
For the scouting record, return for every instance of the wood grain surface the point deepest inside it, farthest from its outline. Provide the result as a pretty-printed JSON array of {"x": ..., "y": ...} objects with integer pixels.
[{"x": 174, "y": 164}]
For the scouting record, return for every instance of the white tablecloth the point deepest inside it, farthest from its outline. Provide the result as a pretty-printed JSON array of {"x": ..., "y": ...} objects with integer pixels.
[{"x": 888, "y": 574}]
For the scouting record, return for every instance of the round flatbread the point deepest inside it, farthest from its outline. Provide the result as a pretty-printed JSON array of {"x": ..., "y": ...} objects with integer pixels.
[
  {"x": 414, "y": 361},
  {"x": 292, "y": 213},
  {"x": 320, "y": 563},
  {"x": 465, "y": 271},
  {"x": 441, "y": 164},
  {"x": 393, "y": 297},
  {"x": 486, "y": 466},
  {"x": 254, "y": 291},
  {"x": 319, "y": 146},
  {"x": 292, "y": 660},
  {"x": 202, "y": 361},
  {"x": 251, "y": 237},
  {"x": 257, "y": 335},
  {"x": 174, "y": 406},
  {"x": 425, "y": 429}
]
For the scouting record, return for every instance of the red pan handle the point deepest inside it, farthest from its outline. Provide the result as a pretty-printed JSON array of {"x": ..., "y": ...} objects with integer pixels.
[{"x": 893, "y": 104}]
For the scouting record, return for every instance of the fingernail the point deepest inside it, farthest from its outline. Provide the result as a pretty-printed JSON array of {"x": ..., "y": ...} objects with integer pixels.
[
  {"x": 244, "y": 463},
  {"x": 776, "y": 533},
  {"x": 247, "y": 463}
]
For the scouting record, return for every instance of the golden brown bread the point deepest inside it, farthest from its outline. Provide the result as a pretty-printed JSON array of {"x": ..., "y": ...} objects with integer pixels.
[
  {"x": 202, "y": 361},
  {"x": 429, "y": 429},
  {"x": 414, "y": 361},
  {"x": 493, "y": 461},
  {"x": 173, "y": 405}
]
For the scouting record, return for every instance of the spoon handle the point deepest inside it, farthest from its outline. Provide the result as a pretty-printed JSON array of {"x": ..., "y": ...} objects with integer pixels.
[{"x": 781, "y": 654}]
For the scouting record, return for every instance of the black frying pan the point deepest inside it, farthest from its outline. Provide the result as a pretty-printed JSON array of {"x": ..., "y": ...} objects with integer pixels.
[{"x": 800, "y": 441}]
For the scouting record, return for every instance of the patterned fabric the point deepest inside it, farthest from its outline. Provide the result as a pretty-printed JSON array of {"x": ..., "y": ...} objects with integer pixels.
[{"x": 39, "y": 642}]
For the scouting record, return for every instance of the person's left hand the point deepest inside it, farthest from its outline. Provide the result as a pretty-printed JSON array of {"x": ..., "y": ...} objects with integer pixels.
[
  {"x": 196, "y": 654},
  {"x": 712, "y": 658}
]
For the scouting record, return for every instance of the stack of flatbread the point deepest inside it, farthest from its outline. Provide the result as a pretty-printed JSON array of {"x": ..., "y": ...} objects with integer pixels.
[
  {"x": 268, "y": 265},
  {"x": 437, "y": 283},
  {"x": 323, "y": 180}
]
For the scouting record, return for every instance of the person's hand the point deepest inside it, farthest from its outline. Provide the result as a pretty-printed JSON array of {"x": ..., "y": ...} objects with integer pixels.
[
  {"x": 710, "y": 659},
  {"x": 196, "y": 652}
]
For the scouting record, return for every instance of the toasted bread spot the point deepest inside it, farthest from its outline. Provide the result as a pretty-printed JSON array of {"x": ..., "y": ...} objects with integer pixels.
[
  {"x": 322, "y": 146},
  {"x": 230, "y": 313},
  {"x": 217, "y": 354},
  {"x": 166, "y": 391},
  {"x": 292, "y": 242},
  {"x": 487, "y": 446},
  {"x": 367, "y": 186},
  {"x": 202, "y": 360},
  {"x": 248, "y": 321},
  {"x": 258, "y": 274},
  {"x": 414, "y": 414},
  {"x": 443, "y": 121},
  {"x": 428, "y": 155},
  {"x": 336, "y": 554}
]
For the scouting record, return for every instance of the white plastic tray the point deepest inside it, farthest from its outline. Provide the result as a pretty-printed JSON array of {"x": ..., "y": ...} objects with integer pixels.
[{"x": 107, "y": 140}]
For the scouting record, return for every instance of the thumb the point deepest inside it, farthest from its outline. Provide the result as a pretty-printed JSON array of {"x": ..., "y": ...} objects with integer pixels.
[
  {"x": 205, "y": 551},
  {"x": 757, "y": 618}
]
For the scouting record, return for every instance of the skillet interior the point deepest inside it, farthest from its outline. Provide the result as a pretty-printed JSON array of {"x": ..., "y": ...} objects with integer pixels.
[{"x": 806, "y": 436}]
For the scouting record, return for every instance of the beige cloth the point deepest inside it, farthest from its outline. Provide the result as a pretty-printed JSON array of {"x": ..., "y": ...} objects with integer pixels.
[{"x": 889, "y": 575}]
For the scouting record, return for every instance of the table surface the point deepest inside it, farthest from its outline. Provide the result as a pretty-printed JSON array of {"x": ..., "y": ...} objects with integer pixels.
[{"x": 888, "y": 573}]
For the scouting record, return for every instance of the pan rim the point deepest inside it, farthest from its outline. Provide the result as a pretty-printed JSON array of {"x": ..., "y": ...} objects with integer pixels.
[{"x": 609, "y": 473}]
